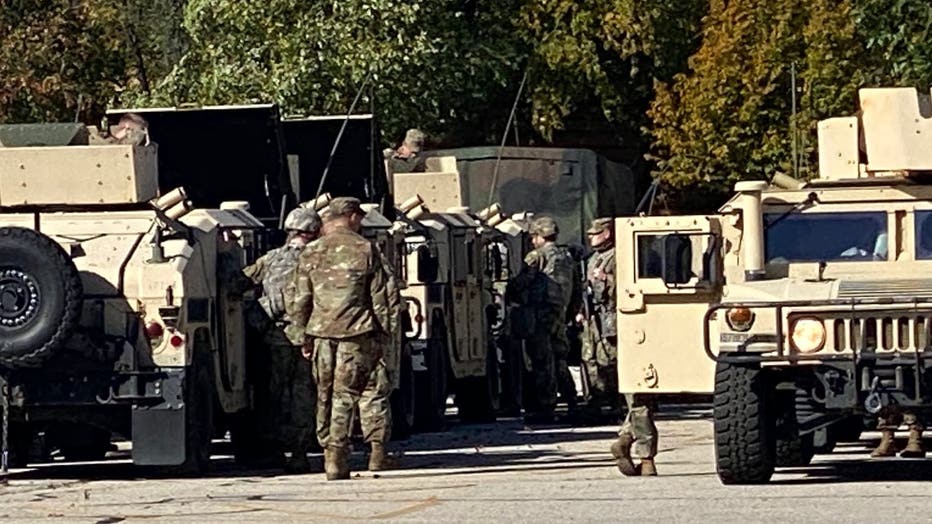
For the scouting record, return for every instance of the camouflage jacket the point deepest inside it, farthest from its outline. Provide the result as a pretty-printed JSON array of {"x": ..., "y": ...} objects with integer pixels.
[
  {"x": 413, "y": 164},
  {"x": 273, "y": 272},
  {"x": 558, "y": 266},
  {"x": 341, "y": 288},
  {"x": 601, "y": 279}
]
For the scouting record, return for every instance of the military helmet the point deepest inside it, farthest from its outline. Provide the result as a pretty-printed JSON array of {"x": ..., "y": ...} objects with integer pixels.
[
  {"x": 303, "y": 219},
  {"x": 545, "y": 227},
  {"x": 414, "y": 138},
  {"x": 599, "y": 225}
]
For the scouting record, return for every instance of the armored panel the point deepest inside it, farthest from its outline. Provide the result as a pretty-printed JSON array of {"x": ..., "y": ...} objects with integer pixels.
[
  {"x": 439, "y": 191},
  {"x": 838, "y": 148},
  {"x": 897, "y": 129},
  {"x": 31, "y": 135},
  {"x": 77, "y": 175}
]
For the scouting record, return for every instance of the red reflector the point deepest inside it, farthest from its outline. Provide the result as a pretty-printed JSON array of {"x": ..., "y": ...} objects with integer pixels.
[
  {"x": 418, "y": 319},
  {"x": 176, "y": 341},
  {"x": 154, "y": 330}
]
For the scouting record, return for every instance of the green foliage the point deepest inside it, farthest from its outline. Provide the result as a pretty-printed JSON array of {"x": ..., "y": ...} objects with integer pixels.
[{"x": 607, "y": 53}]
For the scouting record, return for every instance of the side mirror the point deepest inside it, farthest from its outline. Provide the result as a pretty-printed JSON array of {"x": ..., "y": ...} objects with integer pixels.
[
  {"x": 428, "y": 266},
  {"x": 676, "y": 253}
]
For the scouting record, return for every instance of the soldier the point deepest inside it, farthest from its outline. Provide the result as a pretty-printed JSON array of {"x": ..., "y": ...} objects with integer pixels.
[
  {"x": 289, "y": 415},
  {"x": 375, "y": 408},
  {"x": 638, "y": 429},
  {"x": 407, "y": 158},
  {"x": 341, "y": 298},
  {"x": 599, "y": 352},
  {"x": 890, "y": 419},
  {"x": 131, "y": 129},
  {"x": 545, "y": 287}
]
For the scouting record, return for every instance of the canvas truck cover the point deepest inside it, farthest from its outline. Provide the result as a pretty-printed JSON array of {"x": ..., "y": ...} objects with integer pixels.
[
  {"x": 220, "y": 153},
  {"x": 357, "y": 169},
  {"x": 572, "y": 185}
]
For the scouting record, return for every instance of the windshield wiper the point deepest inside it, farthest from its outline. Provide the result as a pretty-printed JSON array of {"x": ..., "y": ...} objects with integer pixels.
[{"x": 811, "y": 198}]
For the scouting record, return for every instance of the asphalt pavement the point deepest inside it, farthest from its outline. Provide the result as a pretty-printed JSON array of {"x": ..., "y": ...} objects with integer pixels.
[{"x": 503, "y": 472}]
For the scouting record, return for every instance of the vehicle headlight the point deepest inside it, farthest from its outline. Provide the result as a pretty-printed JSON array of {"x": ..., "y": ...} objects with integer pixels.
[
  {"x": 808, "y": 335},
  {"x": 739, "y": 318}
]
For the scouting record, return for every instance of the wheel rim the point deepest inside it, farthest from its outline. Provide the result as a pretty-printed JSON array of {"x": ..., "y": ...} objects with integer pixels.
[{"x": 19, "y": 298}]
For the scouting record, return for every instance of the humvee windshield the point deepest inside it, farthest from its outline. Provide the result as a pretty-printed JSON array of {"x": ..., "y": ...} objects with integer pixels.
[{"x": 828, "y": 237}]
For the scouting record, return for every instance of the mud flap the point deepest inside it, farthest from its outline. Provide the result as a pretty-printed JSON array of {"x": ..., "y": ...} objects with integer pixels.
[{"x": 159, "y": 430}]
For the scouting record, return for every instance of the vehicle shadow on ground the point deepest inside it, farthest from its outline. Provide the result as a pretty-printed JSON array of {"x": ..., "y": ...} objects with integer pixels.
[{"x": 854, "y": 465}]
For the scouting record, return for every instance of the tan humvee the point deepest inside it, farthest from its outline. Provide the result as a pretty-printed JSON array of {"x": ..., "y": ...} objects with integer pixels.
[
  {"x": 455, "y": 257},
  {"x": 117, "y": 314},
  {"x": 803, "y": 307}
]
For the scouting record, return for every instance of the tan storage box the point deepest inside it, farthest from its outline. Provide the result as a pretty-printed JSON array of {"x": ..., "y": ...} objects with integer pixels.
[{"x": 78, "y": 175}]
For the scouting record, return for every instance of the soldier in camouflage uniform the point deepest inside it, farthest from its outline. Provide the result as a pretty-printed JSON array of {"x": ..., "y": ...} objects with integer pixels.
[
  {"x": 599, "y": 351},
  {"x": 131, "y": 129},
  {"x": 341, "y": 297},
  {"x": 375, "y": 408},
  {"x": 289, "y": 415},
  {"x": 547, "y": 285},
  {"x": 408, "y": 158}
]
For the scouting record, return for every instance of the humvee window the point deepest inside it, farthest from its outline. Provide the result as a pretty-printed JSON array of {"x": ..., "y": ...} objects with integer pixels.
[
  {"x": 923, "y": 235},
  {"x": 828, "y": 237}
]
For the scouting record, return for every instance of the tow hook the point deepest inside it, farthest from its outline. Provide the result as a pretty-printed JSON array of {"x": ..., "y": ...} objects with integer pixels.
[{"x": 873, "y": 404}]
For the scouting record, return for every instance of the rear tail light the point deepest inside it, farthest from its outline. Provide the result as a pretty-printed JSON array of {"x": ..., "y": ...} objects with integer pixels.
[{"x": 154, "y": 330}]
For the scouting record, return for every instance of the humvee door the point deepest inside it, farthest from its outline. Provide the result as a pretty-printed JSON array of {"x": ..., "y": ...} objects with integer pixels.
[{"x": 668, "y": 273}]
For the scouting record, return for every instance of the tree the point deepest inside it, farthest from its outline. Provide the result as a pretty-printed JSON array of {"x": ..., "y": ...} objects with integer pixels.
[
  {"x": 730, "y": 117},
  {"x": 605, "y": 53}
]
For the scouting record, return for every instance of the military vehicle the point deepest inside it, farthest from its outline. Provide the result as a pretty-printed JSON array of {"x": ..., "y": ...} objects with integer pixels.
[
  {"x": 115, "y": 313},
  {"x": 455, "y": 259},
  {"x": 809, "y": 298}
]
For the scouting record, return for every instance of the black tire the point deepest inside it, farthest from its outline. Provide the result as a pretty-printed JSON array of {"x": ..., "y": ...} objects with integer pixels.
[
  {"x": 795, "y": 451},
  {"x": 432, "y": 385},
  {"x": 477, "y": 398},
  {"x": 403, "y": 400},
  {"x": 40, "y": 297},
  {"x": 199, "y": 414},
  {"x": 744, "y": 441},
  {"x": 792, "y": 449}
]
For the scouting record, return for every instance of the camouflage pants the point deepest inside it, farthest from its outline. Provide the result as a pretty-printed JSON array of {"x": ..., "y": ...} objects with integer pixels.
[
  {"x": 599, "y": 358},
  {"x": 541, "y": 354},
  {"x": 639, "y": 425},
  {"x": 343, "y": 369},
  {"x": 892, "y": 417},
  {"x": 561, "y": 350},
  {"x": 375, "y": 408},
  {"x": 291, "y": 396}
]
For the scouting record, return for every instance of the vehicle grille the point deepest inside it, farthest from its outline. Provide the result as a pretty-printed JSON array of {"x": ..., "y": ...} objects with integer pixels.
[
  {"x": 880, "y": 331},
  {"x": 919, "y": 288}
]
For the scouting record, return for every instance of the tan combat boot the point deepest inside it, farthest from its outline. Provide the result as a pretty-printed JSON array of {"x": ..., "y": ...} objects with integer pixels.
[
  {"x": 379, "y": 459},
  {"x": 647, "y": 468},
  {"x": 914, "y": 447},
  {"x": 887, "y": 446},
  {"x": 621, "y": 450},
  {"x": 336, "y": 464}
]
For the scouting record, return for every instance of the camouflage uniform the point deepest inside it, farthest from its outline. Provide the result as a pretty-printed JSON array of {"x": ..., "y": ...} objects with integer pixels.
[
  {"x": 414, "y": 162},
  {"x": 288, "y": 416},
  {"x": 375, "y": 415},
  {"x": 599, "y": 351},
  {"x": 549, "y": 269},
  {"x": 340, "y": 295}
]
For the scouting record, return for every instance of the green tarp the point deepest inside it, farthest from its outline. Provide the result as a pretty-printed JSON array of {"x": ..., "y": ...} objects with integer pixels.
[{"x": 572, "y": 185}]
